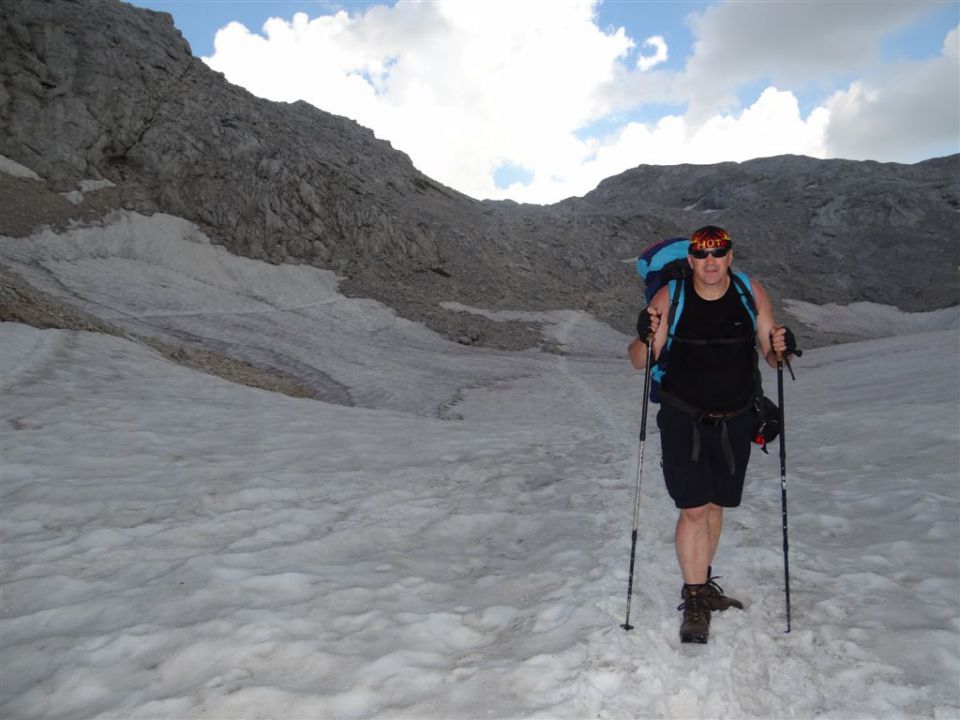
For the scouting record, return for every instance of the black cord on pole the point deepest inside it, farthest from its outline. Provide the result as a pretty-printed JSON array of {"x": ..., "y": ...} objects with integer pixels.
[{"x": 783, "y": 491}]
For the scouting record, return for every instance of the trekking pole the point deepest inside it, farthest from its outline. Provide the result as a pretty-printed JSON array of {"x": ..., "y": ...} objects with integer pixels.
[
  {"x": 636, "y": 500},
  {"x": 783, "y": 490}
]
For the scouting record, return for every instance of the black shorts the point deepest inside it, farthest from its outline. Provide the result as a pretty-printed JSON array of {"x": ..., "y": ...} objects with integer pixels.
[{"x": 708, "y": 480}]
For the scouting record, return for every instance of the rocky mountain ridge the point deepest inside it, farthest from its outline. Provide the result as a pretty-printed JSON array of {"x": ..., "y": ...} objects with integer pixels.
[{"x": 101, "y": 89}]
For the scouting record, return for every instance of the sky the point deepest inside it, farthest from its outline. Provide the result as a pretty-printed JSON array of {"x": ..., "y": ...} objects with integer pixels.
[
  {"x": 448, "y": 536},
  {"x": 539, "y": 100}
]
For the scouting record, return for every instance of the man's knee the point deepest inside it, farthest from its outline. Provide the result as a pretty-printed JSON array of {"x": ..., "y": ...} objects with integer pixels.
[{"x": 695, "y": 514}]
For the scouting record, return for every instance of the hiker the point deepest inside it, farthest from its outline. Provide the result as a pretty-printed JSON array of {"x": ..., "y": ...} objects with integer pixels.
[{"x": 707, "y": 397}]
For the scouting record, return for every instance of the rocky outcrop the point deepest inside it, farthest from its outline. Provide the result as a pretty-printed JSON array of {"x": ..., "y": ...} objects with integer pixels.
[
  {"x": 819, "y": 230},
  {"x": 20, "y": 302},
  {"x": 97, "y": 89}
]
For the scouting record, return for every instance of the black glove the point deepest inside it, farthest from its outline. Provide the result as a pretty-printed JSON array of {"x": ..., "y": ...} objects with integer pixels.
[
  {"x": 643, "y": 324},
  {"x": 791, "y": 342}
]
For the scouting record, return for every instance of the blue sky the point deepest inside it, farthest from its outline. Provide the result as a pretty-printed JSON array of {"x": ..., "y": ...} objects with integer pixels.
[
  {"x": 537, "y": 100},
  {"x": 199, "y": 20}
]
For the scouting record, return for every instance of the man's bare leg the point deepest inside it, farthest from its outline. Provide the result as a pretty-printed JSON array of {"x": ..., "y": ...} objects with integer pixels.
[
  {"x": 697, "y": 538},
  {"x": 715, "y": 527},
  {"x": 693, "y": 544}
]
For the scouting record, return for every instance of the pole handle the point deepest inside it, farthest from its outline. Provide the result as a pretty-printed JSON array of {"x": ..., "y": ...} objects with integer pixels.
[{"x": 648, "y": 369}]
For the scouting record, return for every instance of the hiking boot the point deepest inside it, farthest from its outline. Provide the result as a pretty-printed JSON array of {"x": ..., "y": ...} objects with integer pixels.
[
  {"x": 714, "y": 596},
  {"x": 695, "y": 627}
]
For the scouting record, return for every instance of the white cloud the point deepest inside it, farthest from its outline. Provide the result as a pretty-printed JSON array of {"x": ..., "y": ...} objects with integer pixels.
[
  {"x": 792, "y": 44},
  {"x": 910, "y": 115},
  {"x": 773, "y": 125},
  {"x": 466, "y": 87},
  {"x": 659, "y": 45},
  {"x": 450, "y": 83}
]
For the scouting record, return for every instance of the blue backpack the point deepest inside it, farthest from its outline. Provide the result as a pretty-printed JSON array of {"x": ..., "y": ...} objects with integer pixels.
[{"x": 665, "y": 263}]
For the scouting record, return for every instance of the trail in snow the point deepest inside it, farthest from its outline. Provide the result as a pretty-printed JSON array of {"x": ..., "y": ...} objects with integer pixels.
[{"x": 174, "y": 545}]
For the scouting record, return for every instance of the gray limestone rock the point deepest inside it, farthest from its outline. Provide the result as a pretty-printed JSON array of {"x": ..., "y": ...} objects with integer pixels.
[{"x": 97, "y": 89}]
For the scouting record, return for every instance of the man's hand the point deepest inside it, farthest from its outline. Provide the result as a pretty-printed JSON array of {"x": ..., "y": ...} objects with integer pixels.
[
  {"x": 648, "y": 322},
  {"x": 782, "y": 341}
]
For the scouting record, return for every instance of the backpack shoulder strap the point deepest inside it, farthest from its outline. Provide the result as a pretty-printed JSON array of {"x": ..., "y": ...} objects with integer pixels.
[
  {"x": 675, "y": 289},
  {"x": 676, "y": 307},
  {"x": 741, "y": 282}
]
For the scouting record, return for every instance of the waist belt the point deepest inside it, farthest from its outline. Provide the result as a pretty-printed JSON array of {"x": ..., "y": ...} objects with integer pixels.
[
  {"x": 703, "y": 417},
  {"x": 711, "y": 418}
]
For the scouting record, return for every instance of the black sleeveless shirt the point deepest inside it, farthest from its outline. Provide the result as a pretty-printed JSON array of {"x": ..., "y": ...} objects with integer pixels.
[{"x": 712, "y": 376}]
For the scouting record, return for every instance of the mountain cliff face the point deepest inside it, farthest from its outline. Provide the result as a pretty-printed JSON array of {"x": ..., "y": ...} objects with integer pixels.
[
  {"x": 98, "y": 89},
  {"x": 817, "y": 230}
]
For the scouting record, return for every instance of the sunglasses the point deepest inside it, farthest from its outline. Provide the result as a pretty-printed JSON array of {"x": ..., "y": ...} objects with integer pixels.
[{"x": 716, "y": 252}]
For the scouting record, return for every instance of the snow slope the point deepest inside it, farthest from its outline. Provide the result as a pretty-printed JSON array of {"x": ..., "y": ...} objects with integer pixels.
[
  {"x": 871, "y": 320},
  {"x": 448, "y": 537}
]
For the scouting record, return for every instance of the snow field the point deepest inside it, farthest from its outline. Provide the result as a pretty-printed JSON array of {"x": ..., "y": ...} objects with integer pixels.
[{"x": 174, "y": 545}]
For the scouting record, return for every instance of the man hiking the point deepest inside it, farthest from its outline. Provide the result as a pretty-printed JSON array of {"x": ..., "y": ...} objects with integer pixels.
[{"x": 707, "y": 397}]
